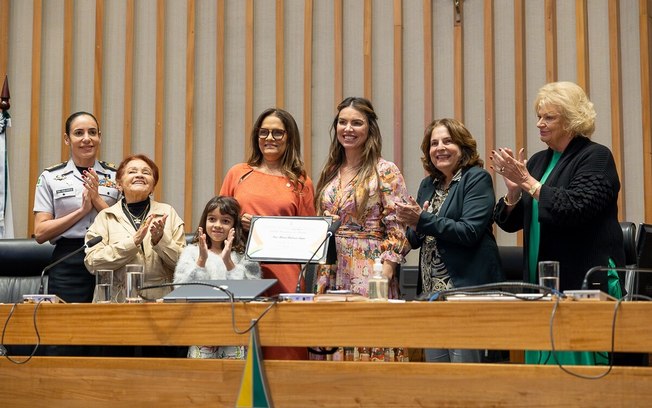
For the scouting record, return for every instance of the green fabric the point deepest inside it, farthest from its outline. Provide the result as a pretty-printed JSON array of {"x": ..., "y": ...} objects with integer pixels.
[
  {"x": 535, "y": 230},
  {"x": 613, "y": 282},
  {"x": 566, "y": 357}
]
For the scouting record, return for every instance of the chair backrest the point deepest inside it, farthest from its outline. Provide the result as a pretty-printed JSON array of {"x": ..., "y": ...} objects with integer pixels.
[
  {"x": 21, "y": 264},
  {"x": 511, "y": 258},
  {"x": 629, "y": 242},
  {"x": 24, "y": 257}
]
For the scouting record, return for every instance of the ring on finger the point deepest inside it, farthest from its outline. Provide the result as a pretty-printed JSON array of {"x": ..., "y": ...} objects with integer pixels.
[{"x": 502, "y": 169}]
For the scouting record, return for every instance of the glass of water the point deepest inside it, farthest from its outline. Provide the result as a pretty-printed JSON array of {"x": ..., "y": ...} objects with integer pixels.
[
  {"x": 135, "y": 278},
  {"x": 103, "y": 286},
  {"x": 549, "y": 274}
]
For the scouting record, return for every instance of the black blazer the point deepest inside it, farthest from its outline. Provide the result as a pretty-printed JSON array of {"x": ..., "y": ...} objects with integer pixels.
[
  {"x": 578, "y": 212},
  {"x": 463, "y": 229}
]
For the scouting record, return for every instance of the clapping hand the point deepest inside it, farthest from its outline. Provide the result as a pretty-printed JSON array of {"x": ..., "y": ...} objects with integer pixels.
[
  {"x": 408, "y": 213},
  {"x": 203, "y": 248},
  {"x": 513, "y": 170},
  {"x": 228, "y": 244},
  {"x": 156, "y": 229}
]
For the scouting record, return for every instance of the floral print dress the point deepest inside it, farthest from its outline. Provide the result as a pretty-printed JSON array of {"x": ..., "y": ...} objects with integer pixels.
[{"x": 376, "y": 234}]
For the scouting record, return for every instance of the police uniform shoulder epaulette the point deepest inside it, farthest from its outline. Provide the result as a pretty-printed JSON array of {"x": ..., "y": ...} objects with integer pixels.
[
  {"x": 56, "y": 166},
  {"x": 108, "y": 166}
]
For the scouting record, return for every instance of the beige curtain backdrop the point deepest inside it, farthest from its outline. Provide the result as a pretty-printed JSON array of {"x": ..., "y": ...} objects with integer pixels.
[{"x": 183, "y": 80}]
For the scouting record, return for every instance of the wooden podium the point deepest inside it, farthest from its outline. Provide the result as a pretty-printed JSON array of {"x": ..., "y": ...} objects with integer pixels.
[{"x": 111, "y": 382}]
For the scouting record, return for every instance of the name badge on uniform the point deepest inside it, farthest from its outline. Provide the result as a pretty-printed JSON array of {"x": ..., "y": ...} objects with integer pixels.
[{"x": 65, "y": 190}]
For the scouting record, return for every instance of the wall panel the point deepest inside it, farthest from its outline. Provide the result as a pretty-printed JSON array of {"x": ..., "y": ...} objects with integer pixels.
[
  {"x": 234, "y": 131},
  {"x": 113, "y": 81},
  {"x": 323, "y": 93},
  {"x": 632, "y": 111},
  {"x": 204, "y": 115},
  {"x": 144, "y": 91},
  {"x": 174, "y": 117}
]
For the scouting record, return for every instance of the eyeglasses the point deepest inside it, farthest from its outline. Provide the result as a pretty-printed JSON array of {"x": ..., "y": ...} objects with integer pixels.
[{"x": 277, "y": 134}]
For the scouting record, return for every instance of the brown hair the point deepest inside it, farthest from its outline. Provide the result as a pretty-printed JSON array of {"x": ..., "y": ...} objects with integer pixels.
[
  {"x": 292, "y": 166},
  {"x": 461, "y": 137},
  {"x": 227, "y": 206},
  {"x": 370, "y": 155}
]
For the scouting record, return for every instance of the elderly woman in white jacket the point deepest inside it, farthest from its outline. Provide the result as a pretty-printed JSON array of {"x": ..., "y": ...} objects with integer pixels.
[{"x": 217, "y": 252}]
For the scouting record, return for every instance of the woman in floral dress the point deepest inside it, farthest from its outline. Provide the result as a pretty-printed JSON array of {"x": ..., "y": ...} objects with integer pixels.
[{"x": 360, "y": 188}]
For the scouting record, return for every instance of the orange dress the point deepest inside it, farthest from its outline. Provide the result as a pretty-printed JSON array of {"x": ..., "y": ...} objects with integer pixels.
[{"x": 269, "y": 195}]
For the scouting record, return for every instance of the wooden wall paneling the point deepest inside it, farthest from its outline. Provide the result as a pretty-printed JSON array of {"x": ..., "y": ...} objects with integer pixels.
[
  {"x": 66, "y": 90},
  {"x": 307, "y": 84},
  {"x": 99, "y": 58},
  {"x": 338, "y": 39},
  {"x": 551, "y": 39},
  {"x": 219, "y": 97},
  {"x": 249, "y": 73},
  {"x": 190, "y": 114},
  {"x": 617, "y": 142},
  {"x": 582, "y": 44},
  {"x": 159, "y": 132},
  {"x": 489, "y": 81},
  {"x": 398, "y": 83},
  {"x": 520, "y": 97},
  {"x": 4, "y": 39},
  {"x": 645, "y": 35},
  {"x": 366, "y": 49},
  {"x": 35, "y": 103},
  {"x": 458, "y": 60},
  {"x": 280, "y": 54},
  {"x": 428, "y": 92},
  {"x": 129, "y": 79}
]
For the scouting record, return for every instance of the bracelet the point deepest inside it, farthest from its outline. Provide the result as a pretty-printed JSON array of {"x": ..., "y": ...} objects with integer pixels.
[
  {"x": 534, "y": 188},
  {"x": 507, "y": 203}
]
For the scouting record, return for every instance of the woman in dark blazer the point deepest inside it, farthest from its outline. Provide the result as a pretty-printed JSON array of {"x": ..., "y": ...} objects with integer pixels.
[
  {"x": 451, "y": 220},
  {"x": 565, "y": 199}
]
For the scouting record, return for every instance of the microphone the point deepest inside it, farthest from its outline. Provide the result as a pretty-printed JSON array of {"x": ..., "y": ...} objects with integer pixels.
[
  {"x": 585, "y": 283},
  {"x": 331, "y": 231},
  {"x": 92, "y": 242}
]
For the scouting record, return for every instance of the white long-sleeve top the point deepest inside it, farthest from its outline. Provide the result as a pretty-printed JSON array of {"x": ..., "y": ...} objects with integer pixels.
[{"x": 188, "y": 271}]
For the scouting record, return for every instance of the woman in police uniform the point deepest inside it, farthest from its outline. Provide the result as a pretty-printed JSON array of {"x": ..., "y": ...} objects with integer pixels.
[{"x": 68, "y": 197}]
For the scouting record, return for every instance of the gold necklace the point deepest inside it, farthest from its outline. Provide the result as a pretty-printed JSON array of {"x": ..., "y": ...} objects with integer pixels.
[{"x": 136, "y": 220}]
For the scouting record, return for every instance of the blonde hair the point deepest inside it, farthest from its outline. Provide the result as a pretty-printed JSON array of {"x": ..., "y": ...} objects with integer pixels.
[{"x": 575, "y": 107}]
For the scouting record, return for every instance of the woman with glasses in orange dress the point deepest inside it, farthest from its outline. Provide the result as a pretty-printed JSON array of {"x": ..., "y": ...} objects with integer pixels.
[{"x": 273, "y": 182}]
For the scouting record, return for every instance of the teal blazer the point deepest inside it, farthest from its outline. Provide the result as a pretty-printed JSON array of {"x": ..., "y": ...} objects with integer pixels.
[{"x": 463, "y": 228}]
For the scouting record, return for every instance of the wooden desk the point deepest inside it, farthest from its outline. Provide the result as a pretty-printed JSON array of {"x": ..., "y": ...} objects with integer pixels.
[{"x": 83, "y": 382}]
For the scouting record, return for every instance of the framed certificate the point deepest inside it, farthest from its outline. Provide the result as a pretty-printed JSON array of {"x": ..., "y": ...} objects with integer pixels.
[{"x": 288, "y": 239}]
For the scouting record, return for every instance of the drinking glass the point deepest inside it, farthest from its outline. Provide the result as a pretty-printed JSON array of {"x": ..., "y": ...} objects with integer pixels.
[
  {"x": 103, "y": 286},
  {"x": 549, "y": 274},
  {"x": 135, "y": 278}
]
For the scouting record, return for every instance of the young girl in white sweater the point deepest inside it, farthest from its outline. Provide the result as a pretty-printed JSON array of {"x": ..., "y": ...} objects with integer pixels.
[{"x": 217, "y": 252}]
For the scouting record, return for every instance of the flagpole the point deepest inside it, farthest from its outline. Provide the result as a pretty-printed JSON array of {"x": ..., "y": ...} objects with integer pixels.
[{"x": 6, "y": 219}]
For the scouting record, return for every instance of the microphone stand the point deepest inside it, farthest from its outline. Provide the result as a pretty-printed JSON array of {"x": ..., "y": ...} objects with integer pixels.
[
  {"x": 88, "y": 244},
  {"x": 329, "y": 234}
]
